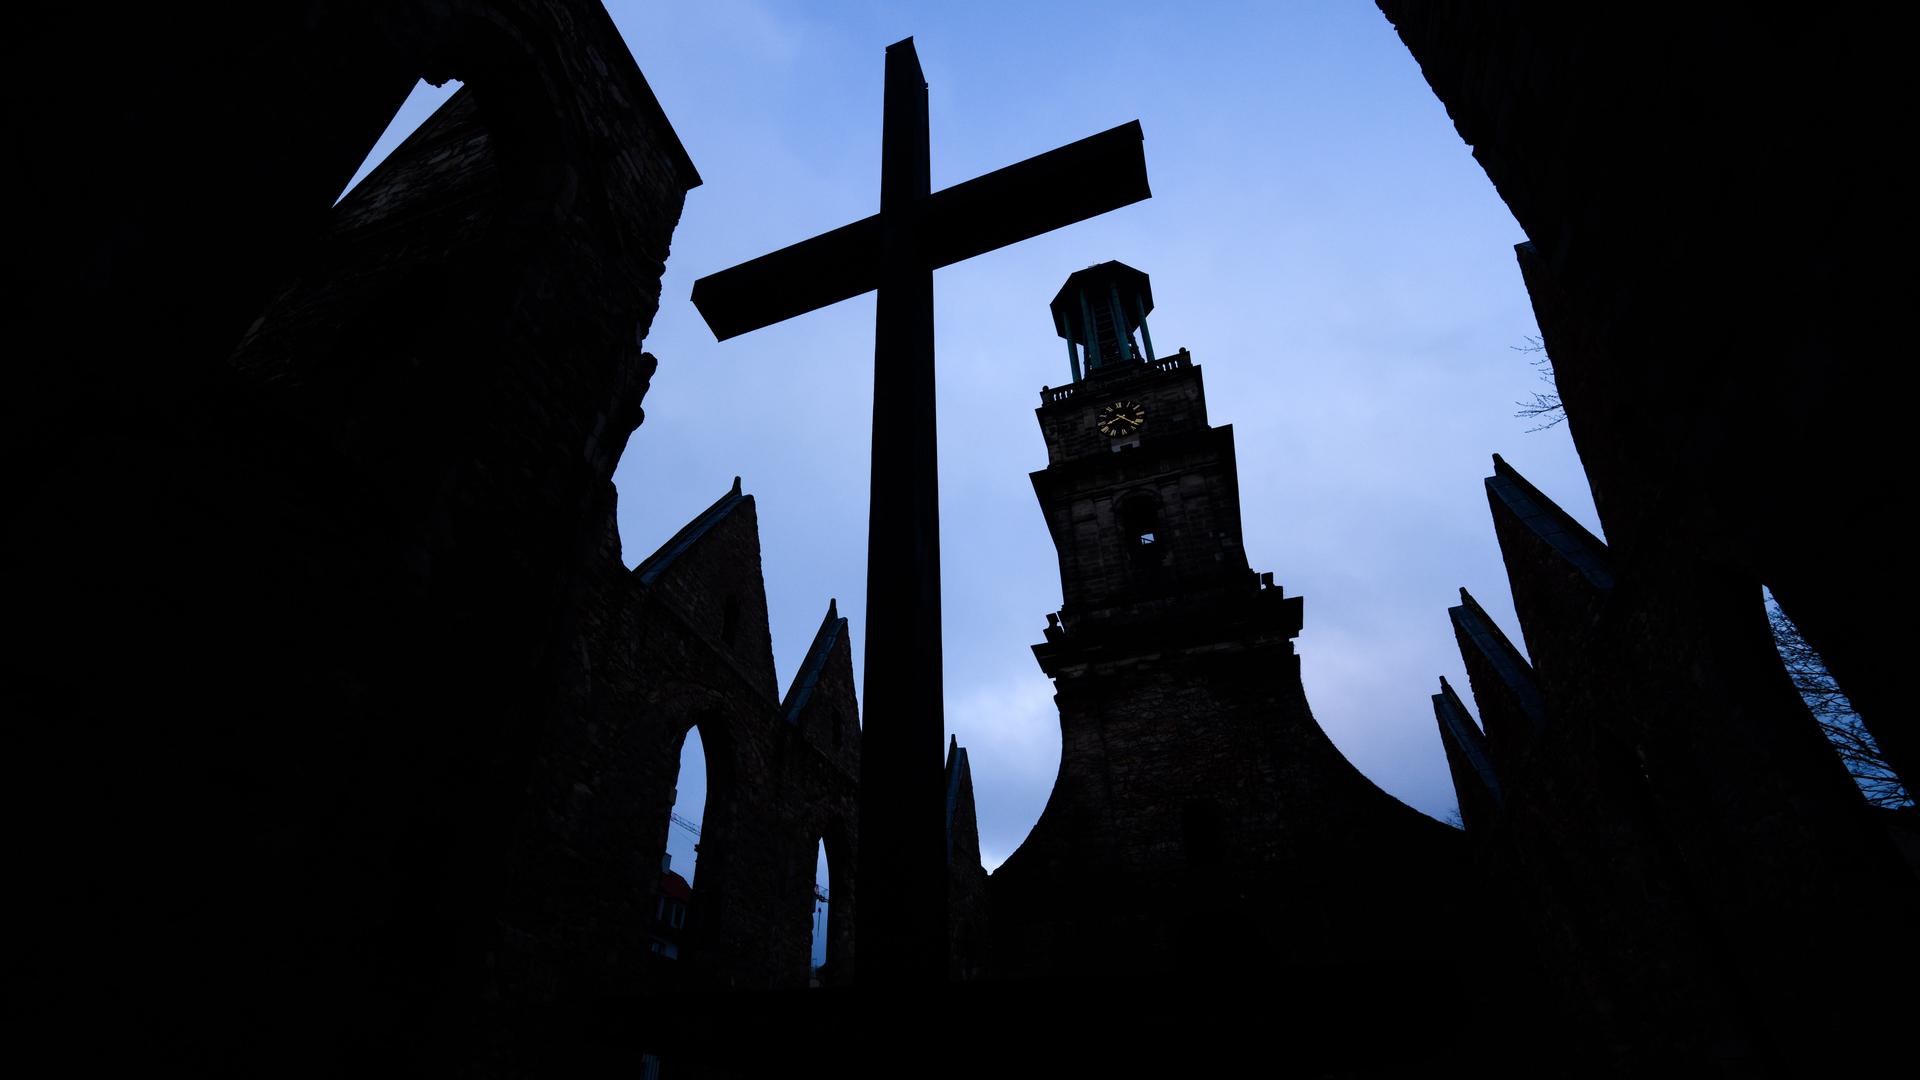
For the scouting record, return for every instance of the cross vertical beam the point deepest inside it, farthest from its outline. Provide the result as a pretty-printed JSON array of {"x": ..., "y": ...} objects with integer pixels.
[
  {"x": 901, "y": 917},
  {"x": 901, "y": 871}
]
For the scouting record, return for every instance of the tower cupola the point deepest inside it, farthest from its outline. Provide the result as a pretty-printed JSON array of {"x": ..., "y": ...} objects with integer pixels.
[{"x": 1097, "y": 311}]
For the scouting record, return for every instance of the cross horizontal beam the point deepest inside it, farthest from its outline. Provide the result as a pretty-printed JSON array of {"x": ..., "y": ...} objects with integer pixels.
[{"x": 1080, "y": 180}]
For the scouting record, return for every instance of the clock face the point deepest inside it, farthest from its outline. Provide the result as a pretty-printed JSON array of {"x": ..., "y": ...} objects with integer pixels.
[{"x": 1120, "y": 418}]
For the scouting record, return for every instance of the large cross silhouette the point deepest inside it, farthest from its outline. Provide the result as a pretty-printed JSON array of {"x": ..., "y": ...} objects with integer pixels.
[{"x": 901, "y": 873}]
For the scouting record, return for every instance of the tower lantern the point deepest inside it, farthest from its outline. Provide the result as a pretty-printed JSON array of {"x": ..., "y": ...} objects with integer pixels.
[{"x": 1097, "y": 311}]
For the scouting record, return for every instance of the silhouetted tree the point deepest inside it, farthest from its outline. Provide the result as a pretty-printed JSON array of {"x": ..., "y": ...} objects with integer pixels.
[{"x": 1830, "y": 707}]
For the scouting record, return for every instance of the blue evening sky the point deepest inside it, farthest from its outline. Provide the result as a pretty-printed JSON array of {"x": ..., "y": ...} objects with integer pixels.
[{"x": 1319, "y": 236}]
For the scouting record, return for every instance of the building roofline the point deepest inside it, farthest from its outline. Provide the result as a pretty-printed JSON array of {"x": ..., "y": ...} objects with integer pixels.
[{"x": 654, "y": 565}]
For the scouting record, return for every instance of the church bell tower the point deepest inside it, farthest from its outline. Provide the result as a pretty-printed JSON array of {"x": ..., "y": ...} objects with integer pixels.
[
  {"x": 1140, "y": 493},
  {"x": 1201, "y": 819}
]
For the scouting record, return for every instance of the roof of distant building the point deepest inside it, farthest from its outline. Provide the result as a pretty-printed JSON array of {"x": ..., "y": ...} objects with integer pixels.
[{"x": 675, "y": 887}]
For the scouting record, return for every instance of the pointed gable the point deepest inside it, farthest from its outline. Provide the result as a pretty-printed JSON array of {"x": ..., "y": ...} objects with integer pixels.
[
  {"x": 708, "y": 575},
  {"x": 832, "y": 631},
  {"x": 963, "y": 827},
  {"x": 1511, "y": 708},
  {"x": 1511, "y": 493},
  {"x": 968, "y": 914},
  {"x": 1560, "y": 574},
  {"x": 821, "y": 703},
  {"x": 1475, "y": 784},
  {"x": 656, "y": 564}
]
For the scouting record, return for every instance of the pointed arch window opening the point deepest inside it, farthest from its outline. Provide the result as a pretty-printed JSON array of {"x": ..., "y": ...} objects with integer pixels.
[
  {"x": 817, "y": 943},
  {"x": 691, "y": 792},
  {"x": 675, "y": 911},
  {"x": 825, "y": 945}
]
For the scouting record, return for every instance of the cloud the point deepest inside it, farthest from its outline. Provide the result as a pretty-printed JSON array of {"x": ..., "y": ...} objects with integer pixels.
[
  {"x": 991, "y": 858},
  {"x": 1011, "y": 730},
  {"x": 1013, "y": 725}
]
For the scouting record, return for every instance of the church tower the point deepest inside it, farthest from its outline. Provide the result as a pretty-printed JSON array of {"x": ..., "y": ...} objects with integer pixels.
[
  {"x": 1201, "y": 819},
  {"x": 1140, "y": 494}
]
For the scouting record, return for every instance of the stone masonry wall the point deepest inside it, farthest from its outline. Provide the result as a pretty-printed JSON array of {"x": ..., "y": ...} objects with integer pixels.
[
  {"x": 369, "y": 526},
  {"x": 1685, "y": 857},
  {"x": 1708, "y": 284},
  {"x": 1202, "y": 824},
  {"x": 654, "y": 662}
]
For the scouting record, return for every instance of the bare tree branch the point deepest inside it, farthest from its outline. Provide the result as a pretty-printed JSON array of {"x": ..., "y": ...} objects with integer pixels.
[
  {"x": 1545, "y": 406},
  {"x": 1829, "y": 705}
]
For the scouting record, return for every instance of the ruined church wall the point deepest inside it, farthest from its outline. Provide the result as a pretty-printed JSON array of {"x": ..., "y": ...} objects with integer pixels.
[
  {"x": 969, "y": 901},
  {"x": 1708, "y": 286},
  {"x": 1684, "y": 856},
  {"x": 373, "y": 528},
  {"x": 654, "y": 661},
  {"x": 824, "y": 763},
  {"x": 1708, "y": 289},
  {"x": 748, "y": 841}
]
